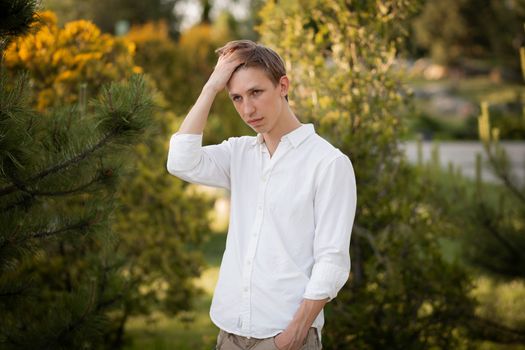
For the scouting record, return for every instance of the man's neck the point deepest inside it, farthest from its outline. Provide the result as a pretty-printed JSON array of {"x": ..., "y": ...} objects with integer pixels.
[{"x": 287, "y": 123}]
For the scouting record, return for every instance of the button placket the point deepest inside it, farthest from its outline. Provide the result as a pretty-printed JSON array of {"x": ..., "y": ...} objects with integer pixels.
[
  {"x": 250, "y": 254},
  {"x": 245, "y": 317}
]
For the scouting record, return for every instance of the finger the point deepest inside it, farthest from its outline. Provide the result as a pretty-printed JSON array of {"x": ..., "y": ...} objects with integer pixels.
[
  {"x": 235, "y": 62},
  {"x": 227, "y": 54},
  {"x": 226, "y": 59},
  {"x": 229, "y": 60},
  {"x": 223, "y": 56}
]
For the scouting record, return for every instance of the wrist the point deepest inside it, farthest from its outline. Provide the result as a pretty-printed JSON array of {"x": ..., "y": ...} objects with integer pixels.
[
  {"x": 297, "y": 330},
  {"x": 209, "y": 88},
  {"x": 306, "y": 314},
  {"x": 300, "y": 325}
]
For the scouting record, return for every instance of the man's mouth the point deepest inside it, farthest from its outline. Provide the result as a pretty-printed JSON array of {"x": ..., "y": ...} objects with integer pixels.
[{"x": 255, "y": 121}]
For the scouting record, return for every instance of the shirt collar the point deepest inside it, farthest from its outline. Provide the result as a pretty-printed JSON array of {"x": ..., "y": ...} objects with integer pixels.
[{"x": 295, "y": 137}]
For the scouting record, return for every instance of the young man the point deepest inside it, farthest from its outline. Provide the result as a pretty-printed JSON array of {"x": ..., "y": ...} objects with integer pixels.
[{"x": 293, "y": 201}]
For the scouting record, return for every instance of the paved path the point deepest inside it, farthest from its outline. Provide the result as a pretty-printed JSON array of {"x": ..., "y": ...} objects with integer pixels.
[{"x": 463, "y": 154}]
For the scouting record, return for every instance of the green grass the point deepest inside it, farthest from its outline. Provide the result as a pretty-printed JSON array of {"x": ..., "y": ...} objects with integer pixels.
[
  {"x": 191, "y": 330},
  {"x": 197, "y": 332}
]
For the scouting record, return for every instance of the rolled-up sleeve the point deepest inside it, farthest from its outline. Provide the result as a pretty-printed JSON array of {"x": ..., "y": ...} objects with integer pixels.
[
  {"x": 190, "y": 161},
  {"x": 334, "y": 210}
]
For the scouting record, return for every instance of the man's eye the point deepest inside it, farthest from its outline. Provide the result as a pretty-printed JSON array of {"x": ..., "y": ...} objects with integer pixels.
[
  {"x": 257, "y": 92},
  {"x": 236, "y": 98}
]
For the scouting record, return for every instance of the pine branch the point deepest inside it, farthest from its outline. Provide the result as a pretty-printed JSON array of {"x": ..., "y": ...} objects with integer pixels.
[
  {"x": 18, "y": 185},
  {"x": 33, "y": 194},
  {"x": 25, "y": 201},
  {"x": 16, "y": 18},
  {"x": 43, "y": 234},
  {"x": 79, "y": 321},
  {"x": 504, "y": 176},
  {"x": 493, "y": 230},
  {"x": 119, "y": 122}
]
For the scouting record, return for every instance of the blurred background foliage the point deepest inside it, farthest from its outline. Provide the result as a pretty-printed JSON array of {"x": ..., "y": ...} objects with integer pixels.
[
  {"x": 437, "y": 257},
  {"x": 60, "y": 60}
]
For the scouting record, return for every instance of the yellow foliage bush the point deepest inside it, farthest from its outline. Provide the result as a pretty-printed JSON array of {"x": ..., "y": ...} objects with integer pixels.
[
  {"x": 198, "y": 41},
  {"x": 60, "y": 59},
  {"x": 150, "y": 31}
]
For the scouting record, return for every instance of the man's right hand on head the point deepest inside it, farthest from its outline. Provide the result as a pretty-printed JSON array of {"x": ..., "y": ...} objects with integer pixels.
[{"x": 223, "y": 71}]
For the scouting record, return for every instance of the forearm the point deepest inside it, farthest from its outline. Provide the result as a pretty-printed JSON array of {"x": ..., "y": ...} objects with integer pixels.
[
  {"x": 196, "y": 119},
  {"x": 306, "y": 314}
]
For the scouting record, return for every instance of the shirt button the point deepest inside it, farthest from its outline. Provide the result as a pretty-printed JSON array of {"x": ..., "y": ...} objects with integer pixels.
[
  {"x": 245, "y": 289},
  {"x": 248, "y": 262}
]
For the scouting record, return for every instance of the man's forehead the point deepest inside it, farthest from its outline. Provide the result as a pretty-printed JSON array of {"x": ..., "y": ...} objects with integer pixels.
[{"x": 246, "y": 79}]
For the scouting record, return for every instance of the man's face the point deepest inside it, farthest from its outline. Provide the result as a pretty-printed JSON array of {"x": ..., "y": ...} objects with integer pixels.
[{"x": 257, "y": 100}]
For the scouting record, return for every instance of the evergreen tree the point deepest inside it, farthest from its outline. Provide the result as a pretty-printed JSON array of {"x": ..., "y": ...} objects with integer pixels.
[
  {"x": 491, "y": 221},
  {"x": 402, "y": 293},
  {"x": 501, "y": 249},
  {"x": 159, "y": 221},
  {"x": 16, "y": 18},
  {"x": 58, "y": 174}
]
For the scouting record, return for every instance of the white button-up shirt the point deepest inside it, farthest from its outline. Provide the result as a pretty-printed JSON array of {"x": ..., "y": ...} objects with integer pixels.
[{"x": 290, "y": 223}]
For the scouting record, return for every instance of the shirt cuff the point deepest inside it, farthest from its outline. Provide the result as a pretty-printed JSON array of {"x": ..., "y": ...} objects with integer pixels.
[{"x": 326, "y": 281}]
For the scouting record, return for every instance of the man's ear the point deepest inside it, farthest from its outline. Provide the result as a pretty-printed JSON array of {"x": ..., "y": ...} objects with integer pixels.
[{"x": 284, "y": 85}]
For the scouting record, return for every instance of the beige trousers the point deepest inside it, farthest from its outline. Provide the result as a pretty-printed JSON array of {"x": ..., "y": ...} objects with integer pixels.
[{"x": 229, "y": 341}]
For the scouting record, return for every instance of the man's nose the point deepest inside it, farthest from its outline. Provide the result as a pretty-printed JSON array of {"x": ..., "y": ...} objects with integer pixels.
[{"x": 248, "y": 109}]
